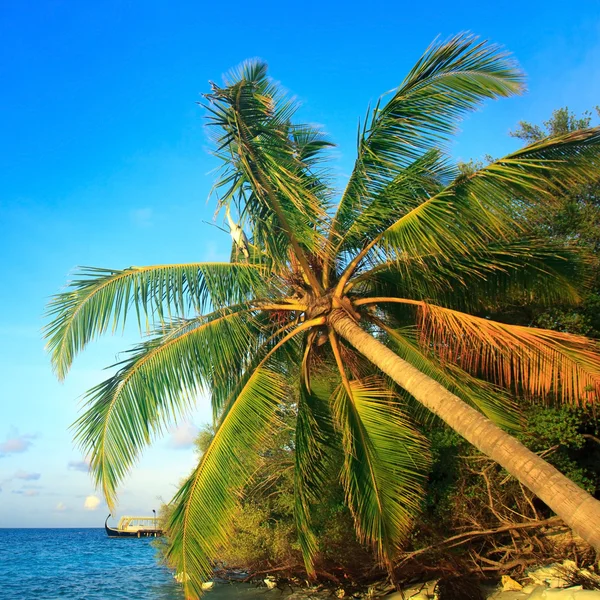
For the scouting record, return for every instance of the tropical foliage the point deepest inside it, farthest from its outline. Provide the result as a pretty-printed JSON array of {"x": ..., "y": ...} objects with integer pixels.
[
  {"x": 575, "y": 218},
  {"x": 264, "y": 537},
  {"x": 414, "y": 251}
]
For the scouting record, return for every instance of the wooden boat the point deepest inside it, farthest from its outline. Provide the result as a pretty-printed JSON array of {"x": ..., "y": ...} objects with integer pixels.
[{"x": 134, "y": 527}]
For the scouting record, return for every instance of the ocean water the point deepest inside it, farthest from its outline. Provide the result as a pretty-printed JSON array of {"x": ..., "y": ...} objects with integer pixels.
[
  {"x": 80, "y": 564},
  {"x": 85, "y": 564}
]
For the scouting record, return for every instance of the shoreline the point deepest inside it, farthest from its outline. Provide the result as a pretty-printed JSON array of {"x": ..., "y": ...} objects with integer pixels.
[{"x": 557, "y": 581}]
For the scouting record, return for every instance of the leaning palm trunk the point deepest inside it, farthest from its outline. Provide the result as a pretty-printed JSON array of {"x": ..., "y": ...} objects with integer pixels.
[{"x": 572, "y": 504}]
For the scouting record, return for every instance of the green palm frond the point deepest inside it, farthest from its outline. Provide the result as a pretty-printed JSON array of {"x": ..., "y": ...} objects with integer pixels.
[
  {"x": 385, "y": 461},
  {"x": 202, "y": 518},
  {"x": 100, "y": 299},
  {"x": 267, "y": 162},
  {"x": 281, "y": 347},
  {"x": 155, "y": 385},
  {"x": 451, "y": 78},
  {"x": 524, "y": 270},
  {"x": 313, "y": 441},
  {"x": 552, "y": 165},
  {"x": 309, "y": 144},
  {"x": 477, "y": 210},
  {"x": 420, "y": 180},
  {"x": 233, "y": 358}
]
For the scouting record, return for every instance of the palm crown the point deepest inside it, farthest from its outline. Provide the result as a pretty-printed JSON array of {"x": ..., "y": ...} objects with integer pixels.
[{"x": 411, "y": 253}]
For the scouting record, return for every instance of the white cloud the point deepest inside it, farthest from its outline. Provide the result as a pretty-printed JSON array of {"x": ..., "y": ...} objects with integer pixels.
[
  {"x": 15, "y": 443},
  {"x": 183, "y": 436},
  {"x": 79, "y": 465},
  {"x": 61, "y": 507},
  {"x": 91, "y": 503},
  {"x": 24, "y": 476}
]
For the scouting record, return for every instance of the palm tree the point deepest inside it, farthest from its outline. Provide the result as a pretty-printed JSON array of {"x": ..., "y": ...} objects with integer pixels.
[{"x": 363, "y": 311}]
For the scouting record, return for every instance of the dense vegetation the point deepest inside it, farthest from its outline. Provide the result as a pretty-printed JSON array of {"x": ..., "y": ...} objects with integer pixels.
[
  {"x": 574, "y": 218},
  {"x": 469, "y": 506}
]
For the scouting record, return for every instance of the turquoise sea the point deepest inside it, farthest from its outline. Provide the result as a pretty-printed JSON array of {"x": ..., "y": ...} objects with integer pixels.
[
  {"x": 84, "y": 564},
  {"x": 80, "y": 564}
]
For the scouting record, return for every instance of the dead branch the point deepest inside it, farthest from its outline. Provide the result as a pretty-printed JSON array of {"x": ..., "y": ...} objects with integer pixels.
[
  {"x": 462, "y": 538},
  {"x": 271, "y": 570},
  {"x": 500, "y": 566},
  {"x": 528, "y": 499}
]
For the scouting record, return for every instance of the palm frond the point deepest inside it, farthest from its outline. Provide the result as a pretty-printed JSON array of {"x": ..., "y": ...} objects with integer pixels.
[
  {"x": 155, "y": 385},
  {"x": 202, "y": 518},
  {"x": 477, "y": 210},
  {"x": 385, "y": 460},
  {"x": 268, "y": 162},
  {"x": 100, "y": 299},
  {"x": 450, "y": 79},
  {"x": 313, "y": 441},
  {"x": 420, "y": 180},
  {"x": 536, "y": 362},
  {"x": 523, "y": 270}
]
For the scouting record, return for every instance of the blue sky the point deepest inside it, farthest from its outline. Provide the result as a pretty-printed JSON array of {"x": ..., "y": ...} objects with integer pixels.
[{"x": 104, "y": 162}]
